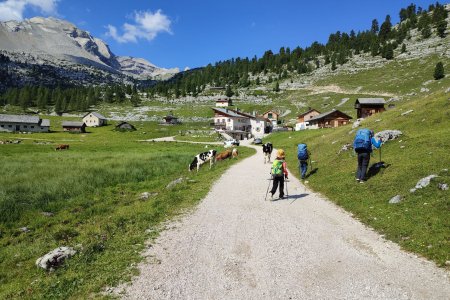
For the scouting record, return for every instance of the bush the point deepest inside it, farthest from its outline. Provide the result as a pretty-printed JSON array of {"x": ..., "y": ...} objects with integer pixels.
[{"x": 439, "y": 71}]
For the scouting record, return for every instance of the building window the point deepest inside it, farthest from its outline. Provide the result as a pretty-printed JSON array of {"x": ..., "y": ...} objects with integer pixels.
[
  {"x": 32, "y": 126},
  {"x": 3, "y": 125},
  {"x": 269, "y": 115},
  {"x": 229, "y": 120},
  {"x": 9, "y": 126},
  {"x": 25, "y": 126}
]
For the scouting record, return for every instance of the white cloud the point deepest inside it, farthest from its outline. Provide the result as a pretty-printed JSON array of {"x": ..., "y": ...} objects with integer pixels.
[
  {"x": 13, "y": 9},
  {"x": 147, "y": 26}
]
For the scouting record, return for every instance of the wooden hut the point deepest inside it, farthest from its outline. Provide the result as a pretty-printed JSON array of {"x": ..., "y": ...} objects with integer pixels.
[
  {"x": 365, "y": 107},
  {"x": 70, "y": 126},
  {"x": 334, "y": 118}
]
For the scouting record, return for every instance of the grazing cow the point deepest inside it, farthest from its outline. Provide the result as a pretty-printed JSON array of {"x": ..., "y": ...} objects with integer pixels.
[
  {"x": 267, "y": 150},
  {"x": 223, "y": 155},
  {"x": 62, "y": 147},
  {"x": 201, "y": 158},
  {"x": 234, "y": 153}
]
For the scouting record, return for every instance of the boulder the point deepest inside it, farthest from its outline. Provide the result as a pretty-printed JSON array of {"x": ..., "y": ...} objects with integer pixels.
[
  {"x": 146, "y": 195},
  {"x": 357, "y": 123},
  {"x": 346, "y": 147},
  {"x": 174, "y": 183},
  {"x": 395, "y": 199},
  {"x": 387, "y": 135},
  {"x": 423, "y": 183},
  {"x": 55, "y": 258},
  {"x": 443, "y": 186},
  {"x": 407, "y": 112}
]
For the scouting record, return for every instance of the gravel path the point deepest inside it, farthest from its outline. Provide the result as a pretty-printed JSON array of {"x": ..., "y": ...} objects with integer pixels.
[{"x": 235, "y": 245}]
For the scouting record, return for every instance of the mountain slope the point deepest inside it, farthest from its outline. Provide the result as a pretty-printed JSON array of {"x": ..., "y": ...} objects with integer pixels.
[{"x": 60, "y": 44}]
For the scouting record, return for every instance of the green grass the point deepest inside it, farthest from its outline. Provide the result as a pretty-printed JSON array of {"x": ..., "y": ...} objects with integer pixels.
[
  {"x": 93, "y": 190},
  {"x": 420, "y": 223}
]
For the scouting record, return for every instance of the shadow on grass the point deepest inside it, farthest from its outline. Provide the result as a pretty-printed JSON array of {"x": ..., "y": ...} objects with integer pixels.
[
  {"x": 376, "y": 168},
  {"x": 312, "y": 172}
]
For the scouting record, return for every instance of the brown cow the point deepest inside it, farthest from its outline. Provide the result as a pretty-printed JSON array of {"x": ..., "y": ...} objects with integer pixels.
[
  {"x": 224, "y": 155},
  {"x": 62, "y": 147}
]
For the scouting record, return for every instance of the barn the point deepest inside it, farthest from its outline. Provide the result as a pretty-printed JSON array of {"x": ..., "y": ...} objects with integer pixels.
[
  {"x": 334, "y": 118},
  {"x": 125, "y": 126},
  {"x": 70, "y": 126},
  {"x": 303, "y": 119},
  {"x": 365, "y": 107},
  {"x": 23, "y": 123}
]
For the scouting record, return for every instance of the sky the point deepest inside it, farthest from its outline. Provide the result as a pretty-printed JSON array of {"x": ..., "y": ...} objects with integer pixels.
[{"x": 194, "y": 33}]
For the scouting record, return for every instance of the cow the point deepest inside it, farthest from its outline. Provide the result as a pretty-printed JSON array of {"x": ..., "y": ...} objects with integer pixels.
[
  {"x": 234, "y": 153},
  {"x": 201, "y": 158},
  {"x": 62, "y": 147},
  {"x": 223, "y": 155},
  {"x": 267, "y": 150}
]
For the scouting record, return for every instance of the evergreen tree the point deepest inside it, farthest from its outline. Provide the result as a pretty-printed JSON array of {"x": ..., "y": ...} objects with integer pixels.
[
  {"x": 385, "y": 28},
  {"x": 441, "y": 27},
  {"x": 426, "y": 32},
  {"x": 333, "y": 65},
  {"x": 135, "y": 99},
  {"x": 276, "y": 88},
  {"x": 389, "y": 52},
  {"x": 229, "y": 92},
  {"x": 439, "y": 72},
  {"x": 375, "y": 48},
  {"x": 375, "y": 27},
  {"x": 403, "y": 48}
]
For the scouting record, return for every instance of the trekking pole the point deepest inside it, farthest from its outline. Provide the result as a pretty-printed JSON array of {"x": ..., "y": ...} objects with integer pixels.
[
  {"x": 380, "y": 154},
  {"x": 287, "y": 193},
  {"x": 310, "y": 164},
  {"x": 267, "y": 192}
]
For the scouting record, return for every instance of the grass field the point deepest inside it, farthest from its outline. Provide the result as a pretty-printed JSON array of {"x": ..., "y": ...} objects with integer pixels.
[
  {"x": 93, "y": 190},
  {"x": 420, "y": 223}
]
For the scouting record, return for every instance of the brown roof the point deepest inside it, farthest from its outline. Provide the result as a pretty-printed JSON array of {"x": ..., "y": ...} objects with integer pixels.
[
  {"x": 321, "y": 116},
  {"x": 305, "y": 113}
]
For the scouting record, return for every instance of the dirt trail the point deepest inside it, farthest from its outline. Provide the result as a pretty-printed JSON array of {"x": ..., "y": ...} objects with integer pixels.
[{"x": 235, "y": 245}]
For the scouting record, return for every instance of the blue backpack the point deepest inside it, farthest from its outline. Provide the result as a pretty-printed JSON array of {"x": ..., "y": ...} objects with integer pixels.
[
  {"x": 362, "y": 140},
  {"x": 302, "y": 152}
]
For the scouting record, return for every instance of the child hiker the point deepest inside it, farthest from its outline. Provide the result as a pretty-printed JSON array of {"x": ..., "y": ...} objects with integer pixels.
[{"x": 279, "y": 173}]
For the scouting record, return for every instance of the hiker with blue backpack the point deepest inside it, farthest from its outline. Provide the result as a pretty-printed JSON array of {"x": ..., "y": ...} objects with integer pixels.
[
  {"x": 364, "y": 140},
  {"x": 303, "y": 154}
]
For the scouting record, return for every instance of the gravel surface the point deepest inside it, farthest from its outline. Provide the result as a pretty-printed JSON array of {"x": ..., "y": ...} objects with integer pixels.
[{"x": 235, "y": 245}]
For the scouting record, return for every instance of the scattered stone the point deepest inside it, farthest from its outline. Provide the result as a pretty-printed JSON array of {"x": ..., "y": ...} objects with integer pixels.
[
  {"x": 424, "y": 90},
  {"x": 24, "y": 229},
  {"x": 393, "y": 99},
  {"x": 447, "y": 90},
  {"x": 357, "y": 123},
  {"x": 423, "y": 183},
  {"x": 444, "y": 170},
  {"x": 447, "y": 263},
  {"x": 147, "y": 195},
  {"x": 443, "y": 186},
  {"x": 395, "y": 199},
  {"x": 333, "y": 142},
  {"x": 174, "y": 183},
  {"x": 402, "y": 147},
  {"x": 387, "y": 135},
  {"x": 407, "y": 112},
  {"x": 47, "y": 214},
  {"x": 378, "y": 120},
  {"x": 346, "y": 147},
  {"x": 55, "y": 258}
]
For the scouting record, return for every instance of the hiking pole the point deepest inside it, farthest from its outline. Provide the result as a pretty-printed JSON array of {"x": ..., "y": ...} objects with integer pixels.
[
  {"x": 287, "y": 193},
  {"x": 267, "y": 192}
]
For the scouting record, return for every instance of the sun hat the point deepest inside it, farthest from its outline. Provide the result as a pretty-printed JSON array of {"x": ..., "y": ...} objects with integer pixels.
[{"x": 280, "y": 153}]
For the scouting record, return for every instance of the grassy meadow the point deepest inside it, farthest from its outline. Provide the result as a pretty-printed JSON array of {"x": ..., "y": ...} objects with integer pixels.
[
  {"x": 420, "y": 223},
  {"x": 93, "y": 191}
]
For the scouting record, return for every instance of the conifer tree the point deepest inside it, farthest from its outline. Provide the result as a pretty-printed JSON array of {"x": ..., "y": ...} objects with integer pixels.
[
  {"x": 229, "y": 92},
  {"x": 276, "y": 88},
  {"x": 441, "y": 27},
  {"x": 426, "y": 32},
  {"x": 403, "y": 48},
  {"x": 333, "y": 65},
  {"x": 385, "y": 28},
  {"x": 439, "y": 72},
  {"x": 375, "y": 27}
]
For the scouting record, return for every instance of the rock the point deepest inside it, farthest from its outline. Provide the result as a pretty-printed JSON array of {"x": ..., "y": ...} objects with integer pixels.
[
  {"x": 147, "y": 195},
  {"x": 447, "y": 263},
  {"x": 393, "y": 99},
  {"x": 402, "y": 147},
  {"x": 407, "y": 112},
  {"x": 423, "y": 183},
  {"x": 55, "y": 258},
  {"x": 24, "y": 229},
  {"x": 174, "y": 183},
  {"x": 47, "y": 214},
  {"x": 395, "y": 199},
  {"x": 346, "y": 147},
  {"x": 387, "y": 135},
  {"x": 447, "y": 90},
  {"x": 443, "y": 186},
  {"x": 357, "y": 123},
  {"x": 424, "y": 90},
  {"x": 378, "y": 120}
]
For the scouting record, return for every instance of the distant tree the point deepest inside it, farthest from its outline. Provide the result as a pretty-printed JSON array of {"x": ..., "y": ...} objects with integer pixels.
[
  {"x": 389, "y": 51},
  {"x": 403, "y": 49},
  {"x": 229, "y": 92},
  {"x": 441, "y": 27},
  {"x": 333, "y": 65},
  {"x": 439, "y": 72},
  {"x": 135, "y": 99},
  {"x": 385, "y": 28},
  {"x": 257, "y": 81},
  {"x": 375, "y": 48},
  {"x": 276, "y": 88},
  {"x": 375, "y": 27},
  {"x": 426, "y": 32}
]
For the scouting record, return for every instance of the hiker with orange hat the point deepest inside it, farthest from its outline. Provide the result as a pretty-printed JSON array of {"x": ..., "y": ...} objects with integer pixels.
[{"x": 279, "y": 173}]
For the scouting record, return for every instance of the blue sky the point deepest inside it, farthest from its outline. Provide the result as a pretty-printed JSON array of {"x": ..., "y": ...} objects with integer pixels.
[{"x": 193, "y": 33}]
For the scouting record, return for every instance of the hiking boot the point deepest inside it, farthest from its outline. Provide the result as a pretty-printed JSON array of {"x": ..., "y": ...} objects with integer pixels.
[
  {"x": 281, "y": 196},
  {"x": 361, "y": 181},
  {"x": 357, "y": 179},
  {"x": 271, "y": 197}
]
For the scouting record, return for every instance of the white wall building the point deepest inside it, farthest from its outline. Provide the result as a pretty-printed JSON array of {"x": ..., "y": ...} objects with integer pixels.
[
  {"x": 23, "y": 123},
  {"x": 94, "y": 119}
]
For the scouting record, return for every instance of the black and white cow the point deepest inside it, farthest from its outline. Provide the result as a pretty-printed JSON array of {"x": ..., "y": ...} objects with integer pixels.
[
  {"x": 201, "y": 158},
  {"x": 267, "y": 151}
]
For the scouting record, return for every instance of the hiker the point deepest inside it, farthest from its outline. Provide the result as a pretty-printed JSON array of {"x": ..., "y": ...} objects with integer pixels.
[
  {"x": 279, "y": 173},
  {"x": 362, "y": 145},
  {"x": 303, "y": 155}
]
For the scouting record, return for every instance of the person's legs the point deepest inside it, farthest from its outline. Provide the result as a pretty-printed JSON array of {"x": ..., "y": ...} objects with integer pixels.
[
  {"x": 303, "y": 167},
  {"x": 282, "y": 186},
  {"x": 359, "y": 168},
  {"x": 275, "y": 185},
  {"x": 364, "y": 164}
]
